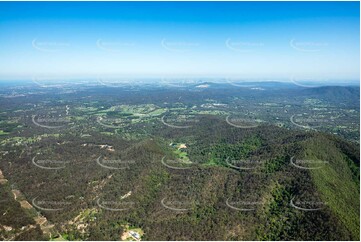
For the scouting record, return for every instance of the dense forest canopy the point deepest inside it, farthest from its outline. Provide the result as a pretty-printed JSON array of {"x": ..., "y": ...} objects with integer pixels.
[{"x": 169, "y": 163}]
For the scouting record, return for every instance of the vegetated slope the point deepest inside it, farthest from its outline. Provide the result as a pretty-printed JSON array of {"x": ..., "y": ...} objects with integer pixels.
[
  {"x": 340, "y": 94},
  {"x": 277, "y": 182},
  {"x": 214, "y": 198},
  {"x": 16, "y": 223},
  {"x": 338, "y": 182}
]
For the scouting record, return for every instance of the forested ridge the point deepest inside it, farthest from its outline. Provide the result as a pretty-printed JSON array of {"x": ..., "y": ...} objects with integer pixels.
[{"x": 208, "y": 198}]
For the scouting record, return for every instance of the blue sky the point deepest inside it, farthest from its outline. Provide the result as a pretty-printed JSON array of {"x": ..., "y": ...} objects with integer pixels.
[{"x": 310, "y": 40}]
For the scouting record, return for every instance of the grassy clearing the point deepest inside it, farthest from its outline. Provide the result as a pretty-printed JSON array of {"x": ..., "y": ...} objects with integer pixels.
[
  {"x": 181, "y": 153},
  {"x": 2, "y": 132}
]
